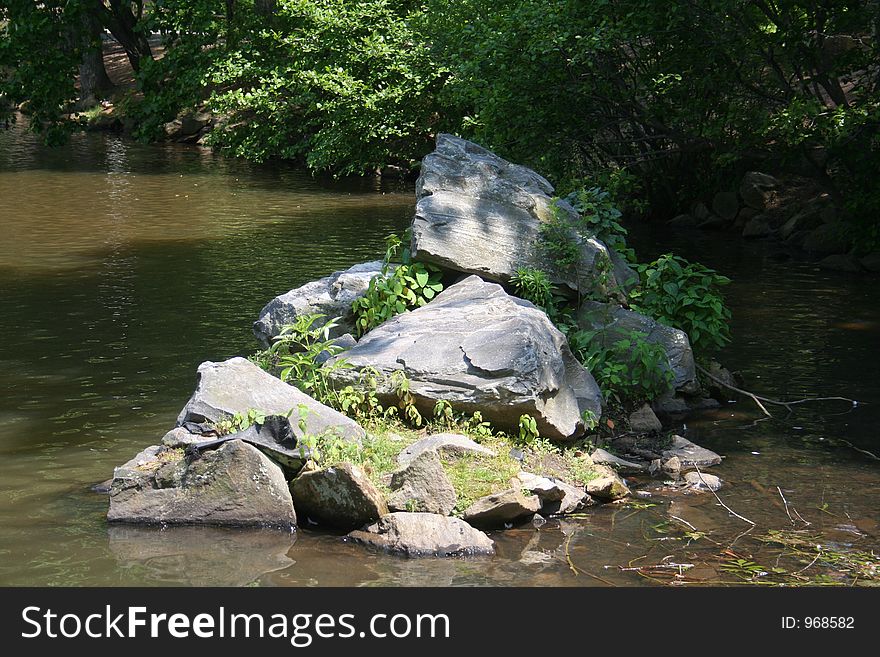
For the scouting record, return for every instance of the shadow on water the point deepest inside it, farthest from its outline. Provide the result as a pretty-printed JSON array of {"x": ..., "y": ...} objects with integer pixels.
[{"x": 124, "y": 266}]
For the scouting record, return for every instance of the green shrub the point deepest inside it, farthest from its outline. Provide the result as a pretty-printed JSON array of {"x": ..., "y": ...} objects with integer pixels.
[
  {"x": 534, "y": 285},
  {"x": 630, "y": 369},
  {"x": 294, "y": 355},
  {"x": 397, "y": 289},
  {"x": 686, "y": 296}
]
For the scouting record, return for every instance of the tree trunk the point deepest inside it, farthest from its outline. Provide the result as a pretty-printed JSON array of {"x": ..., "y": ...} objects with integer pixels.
[
  {"x": 94, "y": 82},
  {"x": 118, "y": 18}
]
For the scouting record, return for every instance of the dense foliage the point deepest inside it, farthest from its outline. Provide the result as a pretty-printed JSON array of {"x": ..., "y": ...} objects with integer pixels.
[{"x": 656, "y": 102}]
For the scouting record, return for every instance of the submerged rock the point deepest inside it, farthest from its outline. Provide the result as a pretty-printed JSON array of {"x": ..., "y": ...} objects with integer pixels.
[
  {"x": 703, "y": 481},
  {"x": 615, "y": 323},
  {"x": 234, "y": 485},
  {"x": 480, "y": 214},
  {"x": 498, "y": 509},
  {"x": 237, "y": 386},
  {"x": 422, "y": 485},
  {"x": 481, "y": 350},
  {"x": 340, "y": 496},
  {"x": 330, "y": 296},
  {"x": 424, "y": 535},
  {"x": 450, "y": 444}
]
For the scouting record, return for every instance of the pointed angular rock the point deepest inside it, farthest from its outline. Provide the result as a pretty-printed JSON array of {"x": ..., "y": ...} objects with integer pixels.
[{"x": 482, "y": 350}]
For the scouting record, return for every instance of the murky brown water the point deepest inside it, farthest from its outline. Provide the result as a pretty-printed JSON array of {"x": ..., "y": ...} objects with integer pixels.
[{"x": 124, "y": 266}]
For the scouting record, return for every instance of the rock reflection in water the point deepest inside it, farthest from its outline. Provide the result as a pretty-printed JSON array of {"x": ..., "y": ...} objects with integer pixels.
[{"x": 199, "y": 556}]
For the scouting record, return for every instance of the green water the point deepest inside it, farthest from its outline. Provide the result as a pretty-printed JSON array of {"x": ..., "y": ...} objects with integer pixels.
[{"x": 124, "y": 266}]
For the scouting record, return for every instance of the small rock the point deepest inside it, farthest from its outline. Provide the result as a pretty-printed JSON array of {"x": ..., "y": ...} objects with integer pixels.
[
  {"x": 499, "y": 508},
  {"x": 754, "y": 187},
  {"x": 871, "y": 262},
  {"x": 671, "y": 466},
  {"x": 607, "y": 486},
  {"x": 339, "y": 496},
  {"x": 180, "y": 437},
  {"x": 757, "y": 227},
  {"x": 690, "y": 454},
  {"x": 424, "y": 535},
  {"x": 840, "y": 262},
  {"x": 451, "y": 444},
  {"x": 703, "y": 481},
  {"x": 644, "y": 420},
  {"x": 726, "y": 205},
  {"x": 714, "y": 222},
  {"x": 546, "y": 489},
  {"x": 700, "y": 211},
  {"x": 422, "y": 486}
]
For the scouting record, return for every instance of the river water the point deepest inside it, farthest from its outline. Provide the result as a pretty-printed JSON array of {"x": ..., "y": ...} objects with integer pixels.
[{"x": 123, "y": 266}]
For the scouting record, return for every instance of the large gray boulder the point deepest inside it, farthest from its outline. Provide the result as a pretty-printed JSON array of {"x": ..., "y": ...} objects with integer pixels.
[
  {"x": 422, "y": 485},
  {"x": 237, "y": 385},
  {"x": 330, "y": 296},
  {"x": 235, "y": 484},
  {"x": 424, "y": 535},
  {"x": 340, "y": 496},
  {"x": 614, "y": 322},
  {"x": 482, "y": 350},
  {"x": 477, "y": 213}
]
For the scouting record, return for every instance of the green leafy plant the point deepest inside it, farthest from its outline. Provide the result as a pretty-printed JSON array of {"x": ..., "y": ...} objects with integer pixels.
[
  {"x": 298, "y": 353},
  {"x": 528, "y": 429},
  {"x": 628, "y": 369},
  {"x": 239, "y": 421},
  {"x": 534, "y": 285},
  {"x": 686, "y": 296},
  {"x": 599, "y": 217},
  {"x": 396, "y": 289}
]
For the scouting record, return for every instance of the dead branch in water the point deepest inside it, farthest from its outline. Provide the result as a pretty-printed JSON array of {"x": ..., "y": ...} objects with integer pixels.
[
  {"x": 729, "y": 510},
  {"x": 758, "y": 399}
]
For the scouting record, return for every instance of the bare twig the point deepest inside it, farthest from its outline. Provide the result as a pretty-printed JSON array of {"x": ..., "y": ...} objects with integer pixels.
[
  {"x": 684, "y": 522},
  {"x": 758, "y": 399},
  {"x": 720, "y": 501},
  {"x": 859, "y": 449},
  {"x": 785, "y": 502}
]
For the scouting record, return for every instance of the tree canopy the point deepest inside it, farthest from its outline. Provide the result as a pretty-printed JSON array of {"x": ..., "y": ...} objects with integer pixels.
[{"x": 656, "y": 101}]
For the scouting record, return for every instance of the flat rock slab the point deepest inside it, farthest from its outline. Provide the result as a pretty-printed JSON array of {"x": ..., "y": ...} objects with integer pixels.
[
  {"x": 340, "y": 496},
  {"x": 234, "y": 485},
  {"x": 424, "y": 535},
  {"x": 237, "y": 385},
  {"x": 615, "y": 323},
  {"x": 498, "y": 509},
  {"x": 690, "y": 454},
  {"x": 481, "y": 350},
  {"x": 449, "y": 444},
  {"x": 422, "y": 485},
  {"x": 604, "y": 457},
  {"x": 477, "y": 213},
  {"x": 331, "y": 296}
]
